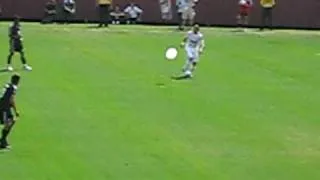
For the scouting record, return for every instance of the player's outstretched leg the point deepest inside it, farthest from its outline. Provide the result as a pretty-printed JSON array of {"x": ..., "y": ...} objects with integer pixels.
[
  {"x": 186, "y": 75},
  {"x": 193, "y": 67},
  {"x": 187, "y": 70},
  {"x": 24, "y": 62},
  {"x": 187, "y": 65}
]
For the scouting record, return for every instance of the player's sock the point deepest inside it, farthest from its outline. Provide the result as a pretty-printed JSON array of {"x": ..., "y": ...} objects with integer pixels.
[
  {"x": 186, "y": 66},
  {"x": 4, "y": 136},
  {"x": 193, "y": 66},
  {"x": 10, "y": 58},
  {"x": 23, "y": 59}
]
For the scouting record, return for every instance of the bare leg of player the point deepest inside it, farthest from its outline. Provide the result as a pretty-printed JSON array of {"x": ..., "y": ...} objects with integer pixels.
[
  {"x": 184, "y": 24},
  {"x": 245, "y": 22},
  {"x": 24, "y": 62},
  {"x": 193, "y": 67}
]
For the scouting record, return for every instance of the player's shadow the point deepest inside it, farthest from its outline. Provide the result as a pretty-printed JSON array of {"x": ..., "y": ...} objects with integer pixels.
[
  {"x": 93, "y": 27},
  {"x": 4, "y": 70},
  {"x": 180, "y": 78}
]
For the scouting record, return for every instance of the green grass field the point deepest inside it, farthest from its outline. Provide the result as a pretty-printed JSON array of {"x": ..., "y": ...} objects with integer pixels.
[{"x": 93, "y": 109}]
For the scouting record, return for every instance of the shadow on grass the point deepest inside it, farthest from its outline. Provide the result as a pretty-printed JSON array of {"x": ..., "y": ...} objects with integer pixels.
[
  {"x": 183, "y": 77},
  {"x": 4, "y": 70}
]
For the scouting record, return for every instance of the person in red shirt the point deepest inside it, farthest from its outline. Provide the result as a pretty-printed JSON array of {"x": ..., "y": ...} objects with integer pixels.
[{"x": 244, "y": 11}]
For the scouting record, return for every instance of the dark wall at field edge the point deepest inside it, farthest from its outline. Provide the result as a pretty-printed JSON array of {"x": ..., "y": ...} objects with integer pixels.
[{"x": 288, "y": 13}]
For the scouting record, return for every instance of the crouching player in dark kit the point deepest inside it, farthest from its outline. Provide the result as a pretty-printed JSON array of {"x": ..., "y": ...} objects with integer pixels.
[
  {"x": 16, "y": 45},
  {"x": 7, "y": 104}
]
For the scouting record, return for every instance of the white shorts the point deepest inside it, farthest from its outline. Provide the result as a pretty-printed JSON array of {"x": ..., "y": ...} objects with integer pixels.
[
  {"x": 193, "y": 54},
  {"x": 188, "y": 14}
]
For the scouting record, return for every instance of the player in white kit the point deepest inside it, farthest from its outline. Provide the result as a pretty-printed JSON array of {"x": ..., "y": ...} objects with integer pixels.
[{"x": 194, "y": 46}]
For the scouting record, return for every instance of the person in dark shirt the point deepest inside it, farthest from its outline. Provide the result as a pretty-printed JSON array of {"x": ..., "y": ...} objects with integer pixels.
[
  {"x": 16, "y": 45},
  {"x": 117, "y": 15},
  {"x": 69, "y": 10},
  {"x": 50, "y": 12},
  {"x": 7, "y": 103},
  {"x": 0, "y": 10}
]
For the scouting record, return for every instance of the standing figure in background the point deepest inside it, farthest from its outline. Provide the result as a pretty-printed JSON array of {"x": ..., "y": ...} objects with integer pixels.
[
  {"x": 188, "y": 13},
  {"x": 69, "y": 10},
  {"x": 16, "y": 45},
  {"x": 0, "y": 10},
  {"x": 244, "y": 11},
  {"x": 133, "y": 13},
  {"x": 267, "y": 8},
  {"x": 117, "y": 15},
  {"x": 180, "y": 4},
  {"x": 50, "y": 12},
  {"x": 166, "y": 10},
  {"x": 104, "y": 12}
]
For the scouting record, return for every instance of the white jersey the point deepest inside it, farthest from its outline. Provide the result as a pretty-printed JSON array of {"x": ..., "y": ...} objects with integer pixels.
[
  {"x": 190, "y": 3},
  {"x": 194, "y": 40},
  {"x": 184, "y": 5},
  {"x": 133, "y": 11}
]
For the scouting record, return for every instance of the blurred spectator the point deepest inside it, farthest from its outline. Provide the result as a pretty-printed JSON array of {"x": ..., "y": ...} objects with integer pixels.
[
  {"x": 267, "y": 8},
  {"x": 50, "y": 12},
  {"x": 0, "y": 10},
  {"x": 117, "y": 15},
  {"x": 166, "y": 10},
  {"x": 244, "y": 11},
  {"x": 69, "y": 10},
  {"x": 133, "y": 13},
  {"x": 188, "y": 13},
  {"x": 104, "y": 12},
  {"x": 179, "y": 7}
]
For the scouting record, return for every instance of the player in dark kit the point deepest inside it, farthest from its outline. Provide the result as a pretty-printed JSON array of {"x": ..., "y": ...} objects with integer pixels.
[
  {"x": 7, "y": 103},
  {"x": 16, "y": 45}
]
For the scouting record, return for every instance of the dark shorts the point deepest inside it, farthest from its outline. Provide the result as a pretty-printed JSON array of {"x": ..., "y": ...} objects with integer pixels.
[
  {"x": 16, "y": 46},
  {"x": 133, "y": 19},
  {"x": 6, "y": 116},
  {"x": 244, "y": 11}
]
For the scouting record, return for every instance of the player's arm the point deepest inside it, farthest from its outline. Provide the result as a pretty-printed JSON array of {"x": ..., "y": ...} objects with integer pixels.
[
  {"x": 10, "y": 34},
  {"x": 184, "y": 41},
  {"x": 14, "y": 107},
  {"x": 202, "y": 46},
  {"x": 68, "y": 9},
  {"x": 73, "y": 10}
]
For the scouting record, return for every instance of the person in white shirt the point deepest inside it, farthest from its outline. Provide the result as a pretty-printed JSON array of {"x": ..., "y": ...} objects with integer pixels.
[
  {"x": 134, "y": 13},
  {"x": 180, "y": 4},
  {"x": 194, "y": 45},
  {"x": 188, "y": 12},
  {"x": 69, "y": 9}
]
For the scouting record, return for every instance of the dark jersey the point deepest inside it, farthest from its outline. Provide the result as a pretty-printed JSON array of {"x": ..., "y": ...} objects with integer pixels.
[
  {"x": 70, "y": 5},
  {"x": 8, "y": 92},
  {"x": 15, "y": 38},
  {"x": 14, "y": 33}
]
